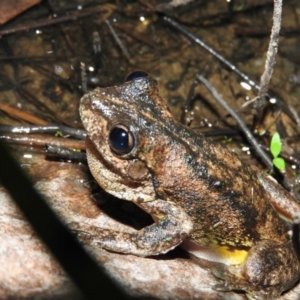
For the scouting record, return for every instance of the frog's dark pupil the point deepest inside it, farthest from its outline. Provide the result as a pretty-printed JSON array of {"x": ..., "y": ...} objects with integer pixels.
[
  {"x": 135, "y": 75},
  {"x": 120, "y": 140}
]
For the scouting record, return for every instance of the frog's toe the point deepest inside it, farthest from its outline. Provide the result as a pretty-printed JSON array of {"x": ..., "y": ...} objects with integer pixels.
[
  {"x": 233, "y": 279},
  {"x": 229, "y": 281},
  {"x": 220, "y": 271},
  {"x": 222, "y": 287}
]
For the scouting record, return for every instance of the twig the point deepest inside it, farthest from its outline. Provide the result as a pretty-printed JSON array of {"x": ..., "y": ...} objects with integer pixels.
[
  {"x": 83, "y": 78},
  {"x": 241, "y": 124},
  {"x": 226, "y": 62},
  {"x": 119, "y": 42},
  {"x": 57, "y": 20},
  {"x": 287, "y": 157},
  {"x": 173, "y": 3},
  {"x": 21, "y": 114},
  {"x": 270, "y": 61},
  {"x": 69, "y": 42},
  {"x": 43, "y": 140},
  {"x": 65, "y": 130},
  {"x": 96, "y": 42},
  {"x": 30, "y": 97},
  {"x": 63, "y": 153},
  {"x": 51, "y": 75},
  {"x": 31, "y": 58},
  {"x": 139, "y": 37},
  {"x": 198, "y": 41}
]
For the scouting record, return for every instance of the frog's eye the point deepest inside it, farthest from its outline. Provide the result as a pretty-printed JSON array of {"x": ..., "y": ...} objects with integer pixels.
[
  {"x": 136, "y": 75},
  {"x": 121, "y": 140}
]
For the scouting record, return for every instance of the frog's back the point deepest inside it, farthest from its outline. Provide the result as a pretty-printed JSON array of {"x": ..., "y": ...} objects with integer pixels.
[{"x": 222, "y": 195}]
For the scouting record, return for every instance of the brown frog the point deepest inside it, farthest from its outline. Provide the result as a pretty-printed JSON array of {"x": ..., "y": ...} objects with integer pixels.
[{"x": 200, "y": 195}]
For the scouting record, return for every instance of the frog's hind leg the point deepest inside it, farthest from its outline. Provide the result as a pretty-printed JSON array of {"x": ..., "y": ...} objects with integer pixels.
[
  {"x": 281, "y": 200},
  {"x": 268, "y": 270}
]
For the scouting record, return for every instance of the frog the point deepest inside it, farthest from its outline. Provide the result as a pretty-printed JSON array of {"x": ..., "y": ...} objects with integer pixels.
[{"x": 200, "y": 194}]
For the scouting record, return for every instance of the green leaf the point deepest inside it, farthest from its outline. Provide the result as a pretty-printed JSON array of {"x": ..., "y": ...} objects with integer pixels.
[
  {"x": 275, "y": 146},
  {"x": 58, "y": 134},
  {"x": 279, "y": 163}
]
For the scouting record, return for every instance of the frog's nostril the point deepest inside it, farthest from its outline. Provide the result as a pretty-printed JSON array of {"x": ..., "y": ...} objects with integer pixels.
[{"x": 136, "y": 75}]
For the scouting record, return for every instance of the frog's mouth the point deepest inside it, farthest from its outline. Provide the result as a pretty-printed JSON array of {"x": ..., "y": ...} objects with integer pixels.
[{"x": 215, "y": 253}]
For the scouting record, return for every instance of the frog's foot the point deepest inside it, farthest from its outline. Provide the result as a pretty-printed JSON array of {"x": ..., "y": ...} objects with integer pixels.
[
  {"x": 268, "y": 270},
  {"x": 172, "y": 226},
  {"x": 233, "y": 280}
]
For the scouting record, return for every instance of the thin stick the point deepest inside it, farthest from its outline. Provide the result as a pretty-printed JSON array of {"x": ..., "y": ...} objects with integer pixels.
[
  {"x": 83, "y": 78},
  {"x": 118, "y": 41},
  {"x": 52, "y": 129},
  {"x": 270, "y": 61},
  {"x": 46, "y": 23},
  {"x": 21, "y": 114},
  {"x": 198, "y": 41},
  {"x": 96, "y": 43},
  {"x": 244, "y": 128},
  {"x": 225, "y": 61},
  {"x": 43, "y": 140},
  {"x": 174, "y": 3}
]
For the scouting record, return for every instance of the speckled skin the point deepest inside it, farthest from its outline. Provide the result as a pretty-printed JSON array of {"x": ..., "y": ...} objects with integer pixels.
[{"x": 198, "y": 192}]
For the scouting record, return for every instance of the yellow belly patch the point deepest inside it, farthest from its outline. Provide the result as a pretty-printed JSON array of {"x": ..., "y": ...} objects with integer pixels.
[
  {"x": 231, "y": 256},
  {"x": 227, "y": 255}
]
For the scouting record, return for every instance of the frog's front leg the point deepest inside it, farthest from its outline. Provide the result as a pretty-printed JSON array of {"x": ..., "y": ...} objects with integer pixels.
[
  {"x": 172, "y": 225},
  {"x": 268, "y": 270}
]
